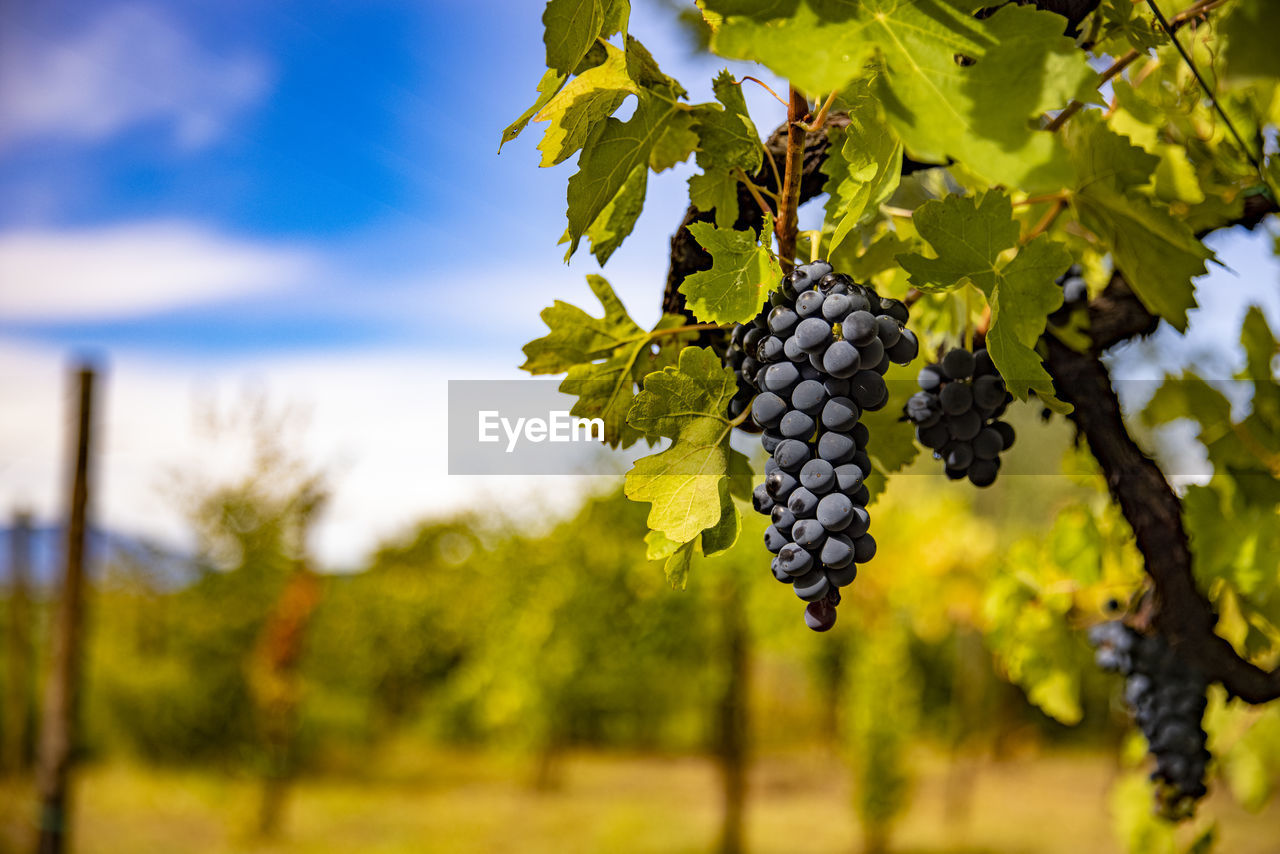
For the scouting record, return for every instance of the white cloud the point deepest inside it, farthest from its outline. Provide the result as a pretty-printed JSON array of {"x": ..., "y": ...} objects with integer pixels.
[
  {"x": 134, "y": 269},
  {"x": 131, "y": 65},
  {"x": 375, "y": 419}
]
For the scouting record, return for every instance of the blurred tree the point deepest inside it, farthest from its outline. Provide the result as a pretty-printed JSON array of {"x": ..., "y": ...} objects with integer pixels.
[{"x": 18, "y": 749}]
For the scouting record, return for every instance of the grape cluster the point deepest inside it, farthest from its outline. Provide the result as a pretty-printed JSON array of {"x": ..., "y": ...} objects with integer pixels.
[
  {"x": 1167, "y": 697},
  {"x": 1075, "y": 294},
  {"x": 822, "y": 353},
  {"x": 957, "y": 415}
]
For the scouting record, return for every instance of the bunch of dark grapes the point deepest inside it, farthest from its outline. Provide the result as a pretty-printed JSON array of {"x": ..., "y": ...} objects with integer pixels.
[
  {"x": 743, "y": 342},
  {"x": 1167, "y": 698},
  {"x": 822, "y": 355},
  {"x": 1075, "y": 294},
  {"x": 957, "y": 415}
]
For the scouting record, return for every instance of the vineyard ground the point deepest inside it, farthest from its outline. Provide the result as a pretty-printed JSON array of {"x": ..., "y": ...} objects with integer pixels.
[{"x": 460, "y": 803}]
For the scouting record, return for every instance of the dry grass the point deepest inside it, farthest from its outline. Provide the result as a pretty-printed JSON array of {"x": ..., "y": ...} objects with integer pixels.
[{"x": 632, "y": 805}]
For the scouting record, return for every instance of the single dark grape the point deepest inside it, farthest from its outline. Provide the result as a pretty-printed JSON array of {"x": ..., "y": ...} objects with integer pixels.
[
  {"x": 864, "y": 548},
  {"x": 775, "y": 540},
  {"x": 813, "y": 585},
  {"x": 836, "y": 448},
  {"x": 814, "y": 334},
  {"x": 859, "y": 328},
  {"x": 840, "y": 414},
  {"x": 779, "y": 484},
  {"x": 796, "y": 425},
  {"x": 762, "y": 501},
  {"x": 837, "y": 552},
  {"x": 956, "y": 398},
  {"x": 818, "y": 476},
  {"x": 809, "y": 303},
  {"x": 957, "y": 364},
  {"x": 768, "y": 409},
  {"x": 835, "y": 511},
  {"x": 808, "y": 396},
  {"x": 819, "y": 616},
  {"x": 849, "y": 477},
  {"x": 791, "y": 454},
  {"x": 841, "y": 360}
]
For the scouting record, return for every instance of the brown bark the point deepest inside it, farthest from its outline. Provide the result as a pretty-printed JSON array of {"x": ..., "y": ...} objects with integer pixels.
[
  {"x": 58, "y": 727},
  {"x": 793, "y": 167},
  {"x": 277, "y": 690}
]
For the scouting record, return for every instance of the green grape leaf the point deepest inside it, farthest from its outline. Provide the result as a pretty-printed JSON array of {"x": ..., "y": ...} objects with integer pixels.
[
  {"x": 978, "y": 113},
  {"x": 727, "y": 137},
  {"x": 683, "y": 482},
  {"x": 677, "y": 142},
  {"x": 742, "y": 273},
  {"x": 969, "y": 237},
  {"x": 1077, "y": 545},
  {"x": 741, "y": 477},
  {"x": 1158, "y": 254},
  {"x": 895, "y": 446},
  {"x": 1187, "y": 397},
  {"x": 863, "y": 167},
  {"x": 725, "y": 533},
  {"x": 576, "y": 337},
  {"x": 1138, "y": 31},
  {"x": 644, "y": 70},
  {"x": 617, "y": 14},
  {"x": 577, "y": 110},
  {"x": 677, "y": 566},
  {"x": 658, "y": 547},
  {"x": 759, "y": 10},
  {"x": 687, "y": 482},
  {"x": 676, "y": 557},
  {"x": 1260, "y": 350},
  {"x": 1027, "y": 631},
  {"x": 694, "y": 390},
  {"x": 1025, "y": 294},
  {"x": 571, "y": 28},
  {"x": 604, "y": 357},
  {"x": 609, "y": 159},
  {"x": 716, "y": 190},
  {"x": 619, "y": 216},
  {"x": 1250, "y": 27},
  {"x": 880, "y": 255},
  {"x": 548, "y": 86}
]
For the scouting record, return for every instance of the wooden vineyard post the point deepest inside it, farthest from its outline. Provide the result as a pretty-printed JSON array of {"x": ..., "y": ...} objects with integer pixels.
[{"x": 58, "y": 721}]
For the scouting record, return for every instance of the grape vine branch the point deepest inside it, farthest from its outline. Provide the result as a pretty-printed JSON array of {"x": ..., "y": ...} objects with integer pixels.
[{"x": 1144, "y": 495}]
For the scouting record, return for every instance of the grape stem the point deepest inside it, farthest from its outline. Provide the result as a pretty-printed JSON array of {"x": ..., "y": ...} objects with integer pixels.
[
  {"x": 689, "y": 327},
  {"x": 821, "y": 118},
  {"x": 1208, "y": 90},
  {"x": 1060, "y": 195},
  {"x": 765, "y": 86},
  {"x": 1186, "y": 16},
  {"x": 1046, "y": 221},
  {"x": 754, "y": 190},
  {"x": 789, "y": 200}
]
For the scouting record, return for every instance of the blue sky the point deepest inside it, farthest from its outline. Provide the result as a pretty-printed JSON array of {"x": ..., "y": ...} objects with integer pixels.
[{"x": 302, "y": 199}]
